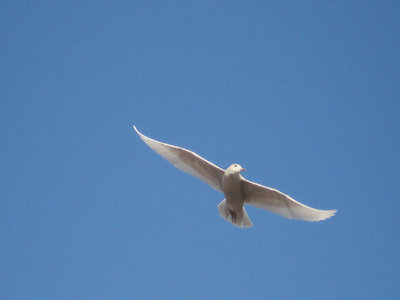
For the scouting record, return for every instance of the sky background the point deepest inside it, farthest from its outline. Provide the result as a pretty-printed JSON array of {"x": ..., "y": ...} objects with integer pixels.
[{"x": 304, "y": 94}]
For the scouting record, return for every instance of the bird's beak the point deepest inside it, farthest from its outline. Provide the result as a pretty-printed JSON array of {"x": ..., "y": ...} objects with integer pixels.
[{"x": 242, "y": 170}]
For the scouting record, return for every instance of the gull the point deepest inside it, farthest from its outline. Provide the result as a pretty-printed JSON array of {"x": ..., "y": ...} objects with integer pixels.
[{"x": 238, "y": 191}]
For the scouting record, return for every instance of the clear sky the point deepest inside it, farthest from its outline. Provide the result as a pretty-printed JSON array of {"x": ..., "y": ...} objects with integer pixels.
[{"x": 304, "y": 94}]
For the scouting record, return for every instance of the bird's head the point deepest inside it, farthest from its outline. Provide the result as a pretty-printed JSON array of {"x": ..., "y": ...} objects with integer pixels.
[{"x": 235, "y": 169}]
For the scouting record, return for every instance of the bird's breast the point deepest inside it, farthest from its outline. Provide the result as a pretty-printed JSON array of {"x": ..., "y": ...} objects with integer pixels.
[
  {"x": 232, "y": 189},
  {"x": 230, "y": 183}
]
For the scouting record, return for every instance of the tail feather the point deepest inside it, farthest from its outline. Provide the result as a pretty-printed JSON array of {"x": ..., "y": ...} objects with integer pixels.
[{"x": 237, "y": 218}]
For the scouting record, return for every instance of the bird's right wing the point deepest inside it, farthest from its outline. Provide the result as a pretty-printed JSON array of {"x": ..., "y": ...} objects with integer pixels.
[
  {"x": 274, "y": 201},
  {"x": 187, "y": 161}
]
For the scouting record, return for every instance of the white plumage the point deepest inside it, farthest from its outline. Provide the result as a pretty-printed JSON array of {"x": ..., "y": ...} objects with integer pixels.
[{"x": 237, "y": 190}]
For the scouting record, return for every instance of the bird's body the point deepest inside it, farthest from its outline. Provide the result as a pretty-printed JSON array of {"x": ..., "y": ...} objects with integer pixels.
[
  {"x": 231, "y": 209},
  {"x": 237, "y": 190}
]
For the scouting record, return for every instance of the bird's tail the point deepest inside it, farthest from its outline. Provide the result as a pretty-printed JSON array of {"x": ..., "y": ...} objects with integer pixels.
[{"x": 238, "y": 218}]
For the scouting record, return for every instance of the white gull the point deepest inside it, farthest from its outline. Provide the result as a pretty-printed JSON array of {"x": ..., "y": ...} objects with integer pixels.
[{"x": 237, "y": 190}]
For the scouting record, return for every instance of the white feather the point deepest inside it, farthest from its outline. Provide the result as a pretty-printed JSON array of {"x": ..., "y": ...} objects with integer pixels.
[{"x": 237, "y": 190}]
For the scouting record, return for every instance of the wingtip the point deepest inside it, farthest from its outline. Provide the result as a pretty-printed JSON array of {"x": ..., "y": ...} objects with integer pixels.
[
  {"x": 330, "y": 213},
  {"x": 324, "y": 215},
  {"x": 137, "y": 131}
]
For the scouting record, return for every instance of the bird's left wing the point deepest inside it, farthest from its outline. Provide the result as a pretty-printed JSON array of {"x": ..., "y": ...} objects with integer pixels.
[
  {"x": 187, "y": 161},
  {"x": 274, "y": 201}
]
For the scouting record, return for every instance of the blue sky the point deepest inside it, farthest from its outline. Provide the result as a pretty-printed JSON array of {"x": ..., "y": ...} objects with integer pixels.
[{"x": 304, "y": 95}]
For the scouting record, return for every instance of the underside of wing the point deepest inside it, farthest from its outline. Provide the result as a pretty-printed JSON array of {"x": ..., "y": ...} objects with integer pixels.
[
  {"x": 187, "y": 161},
  {"x": 274, "y": 201}
]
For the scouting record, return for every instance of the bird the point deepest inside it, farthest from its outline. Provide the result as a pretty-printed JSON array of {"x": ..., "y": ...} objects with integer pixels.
[{"x": 238, "y": 191}]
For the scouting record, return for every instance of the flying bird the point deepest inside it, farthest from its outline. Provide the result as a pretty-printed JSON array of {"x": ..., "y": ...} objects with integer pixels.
[{"x": 237, "y": 190}]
